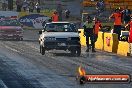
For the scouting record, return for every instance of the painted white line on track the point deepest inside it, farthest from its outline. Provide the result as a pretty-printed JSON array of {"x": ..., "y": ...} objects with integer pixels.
[
  {"x": 12, "y": 49},
  {"x": 2, "y": 84}
]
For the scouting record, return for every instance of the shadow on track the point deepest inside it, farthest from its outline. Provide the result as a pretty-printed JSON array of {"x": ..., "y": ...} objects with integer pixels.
[
  {"x": 29, "y": 40},
  {"x": 64, "y": 54}
]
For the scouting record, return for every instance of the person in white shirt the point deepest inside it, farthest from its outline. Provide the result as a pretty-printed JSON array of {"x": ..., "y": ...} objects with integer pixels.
[{"x": 38, "y": 8}]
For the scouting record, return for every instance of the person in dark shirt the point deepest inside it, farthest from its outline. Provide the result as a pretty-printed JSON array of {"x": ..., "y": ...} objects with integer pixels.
[
  {"x": 126, "y": 15},
  {"x": 89, "y": 33}
]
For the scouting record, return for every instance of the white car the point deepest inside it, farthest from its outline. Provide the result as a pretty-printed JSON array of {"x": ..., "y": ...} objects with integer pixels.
[{"x": 60, "y": 36}]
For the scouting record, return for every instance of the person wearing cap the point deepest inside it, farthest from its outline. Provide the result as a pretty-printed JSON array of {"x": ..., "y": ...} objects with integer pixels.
[
  {"x": 88, "y": 32},
  {"x": 55, "y": 17},
  {"x": 130, "y": 31},
  {"x": 117, "y": 15}
]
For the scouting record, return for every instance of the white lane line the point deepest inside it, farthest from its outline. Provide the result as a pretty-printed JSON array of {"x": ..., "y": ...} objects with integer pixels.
[
  {"x": 2, "y": 84},
  {"x": 12, "y": 49}
]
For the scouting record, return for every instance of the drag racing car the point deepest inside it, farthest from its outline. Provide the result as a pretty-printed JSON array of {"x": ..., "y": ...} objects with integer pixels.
[
  {"x": 60, "y": 36},
  {"x": 10, "y": 29}
]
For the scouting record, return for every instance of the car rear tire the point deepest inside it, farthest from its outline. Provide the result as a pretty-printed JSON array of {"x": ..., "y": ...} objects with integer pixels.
[
  {"x": 40, "y": 49},
  {"x": 82, "y": 80},
  {"x": 21, "y": 39}
]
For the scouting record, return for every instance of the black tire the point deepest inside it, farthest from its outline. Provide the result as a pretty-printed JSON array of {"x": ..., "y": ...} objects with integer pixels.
[
  {"x": 40, "y": 49},
  {"x": 43, "y": 50},
  {"x": 76, "y": 52},
  {"x": 21, "y": 39},
  {"x": 73, "y": 52},
  {"x": 82, "y": 80},
  {"x": 17, "y": 39}
]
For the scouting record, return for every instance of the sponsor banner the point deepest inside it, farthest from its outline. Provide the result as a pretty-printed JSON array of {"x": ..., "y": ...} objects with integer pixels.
[
  {"x": 8, "y": 14},
  {"x": 35, "y": 21},
  {"x": 108, "y": 78},
  {"x": 29, "y": 21}
]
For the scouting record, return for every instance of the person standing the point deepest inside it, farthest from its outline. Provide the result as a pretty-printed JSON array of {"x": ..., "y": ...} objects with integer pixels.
[
  {"x": 117, "y": 15},
  {"x": 89, "y": 33},
  {"x": 67, "y": 14},
  {"x": 31, "y": 6},
  {"x": 25, "y": 5},
  {"x": 100, "y": 6},
  {"x": 10, "y": 5},
  {"x": 4, "y": 5},
  {"x": 55, "y": 17},
  {"x": 19, "y": 5},
  {"x": 97, "y": 27},
  {"x": 126, "y": 15},
  {"x": 38, "y": 7},
  {"x": 59, "y": 10},
  {"x": 130, "y": 31}
]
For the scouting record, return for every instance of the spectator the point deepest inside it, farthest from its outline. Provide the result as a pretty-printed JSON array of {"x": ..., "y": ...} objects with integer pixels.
[
  {"x": 55, "y": 17},
  {"x": 67, "y": 14},
  {"x": 4, "y": 4},
  {"x": 117, "y": 15},
  {"x": 130, "y": 33},
  {"x": 38, "y": 7},
  {"x": 59, "y": 10},
  {"x": 100, "y": 7},
  {"x": 126, "y": 15},
  {"x": 25, "y": 5},
  {"x": 19, "y": 5},
  {"x": 31, "y": 6}
]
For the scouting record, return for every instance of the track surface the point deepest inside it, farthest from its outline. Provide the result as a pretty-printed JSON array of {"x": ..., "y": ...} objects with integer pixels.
[{"x": 22, "y": 66}]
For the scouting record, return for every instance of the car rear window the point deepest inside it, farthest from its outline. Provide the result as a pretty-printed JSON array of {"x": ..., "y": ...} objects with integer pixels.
[{"x": 60, "y": 27}]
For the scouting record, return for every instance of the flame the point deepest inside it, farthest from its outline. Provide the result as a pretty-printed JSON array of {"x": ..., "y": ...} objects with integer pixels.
[{"x": 82, "y": 72}]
